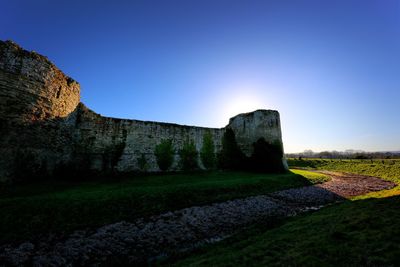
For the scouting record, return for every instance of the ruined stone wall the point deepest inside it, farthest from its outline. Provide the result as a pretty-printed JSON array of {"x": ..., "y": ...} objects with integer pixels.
[
  {"x": 249, "y": 127},
  {"x": 44, "y": 126},
  {"x": 37, "y": 104},
  {"x": 32, "y": 88},
  {"x": 96, "y": 134}
]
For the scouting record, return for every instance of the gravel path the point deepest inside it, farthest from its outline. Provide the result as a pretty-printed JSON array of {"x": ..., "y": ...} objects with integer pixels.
[
  {"x": 350, "y": 185},
  {"x": 143, "y": 240}
]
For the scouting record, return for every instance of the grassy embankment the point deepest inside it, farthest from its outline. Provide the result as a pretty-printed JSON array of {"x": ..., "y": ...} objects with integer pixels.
[
  {"x": 362, "y": 232},
  {"x": 59, "y": 207},
  {"x": 385, "y": 169}
]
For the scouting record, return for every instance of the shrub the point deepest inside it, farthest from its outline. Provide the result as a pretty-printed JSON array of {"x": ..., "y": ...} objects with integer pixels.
[
  {"x": 164, "y": 153},
  {"x": 188, "y": 156},
  {"x": 267, "y": 157},
  {"x": 231, "y": 157},
  {"x": 207, "y": 153}
]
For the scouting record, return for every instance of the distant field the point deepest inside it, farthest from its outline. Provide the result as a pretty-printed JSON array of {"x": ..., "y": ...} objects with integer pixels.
[
  {"x": 362, "y": 232},
  {"x": 58, "y": 207}
]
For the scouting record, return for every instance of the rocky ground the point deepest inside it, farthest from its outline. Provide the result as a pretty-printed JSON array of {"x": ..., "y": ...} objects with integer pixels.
[
  {"x": 350, "y": 185},
  {"x": 144, "y": 240}
]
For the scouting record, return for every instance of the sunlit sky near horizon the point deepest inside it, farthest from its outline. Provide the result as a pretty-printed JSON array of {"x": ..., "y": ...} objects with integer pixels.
[{"x": 331, "y": 68}]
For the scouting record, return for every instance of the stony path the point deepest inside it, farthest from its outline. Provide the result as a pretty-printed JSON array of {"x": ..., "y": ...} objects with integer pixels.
[
  {"x": 349, "y": 185},
  {"x": 141, "y": 240}
]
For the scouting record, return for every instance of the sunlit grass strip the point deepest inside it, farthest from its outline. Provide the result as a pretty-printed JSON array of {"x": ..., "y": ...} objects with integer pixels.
[
  {"x": 380, "y": 194},
  {"x": 313, "y": 177}
]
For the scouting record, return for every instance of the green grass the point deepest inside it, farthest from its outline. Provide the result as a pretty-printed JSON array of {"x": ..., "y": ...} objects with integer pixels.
[
  {"x": 388, "y": 169},
  {"x": 361, "y": 232},
  {"x": 354, "y": 233},
  {"x": 314, "y": 177},
  {"x": 385, "y": 169},
  {"x": 58, "y": 207}
]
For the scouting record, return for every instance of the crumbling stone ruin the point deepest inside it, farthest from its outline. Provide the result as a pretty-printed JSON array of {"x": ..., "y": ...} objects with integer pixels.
[{"x": 44, "y": 127}]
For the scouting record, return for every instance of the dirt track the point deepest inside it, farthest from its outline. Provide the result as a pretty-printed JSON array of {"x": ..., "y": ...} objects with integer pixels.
[{"x": 350, "y": 185}]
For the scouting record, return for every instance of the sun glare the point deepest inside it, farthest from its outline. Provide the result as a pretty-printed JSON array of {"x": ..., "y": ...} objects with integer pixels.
[
  {"x": 241, "y": 104},
  {"x": 238, "y": 97}
]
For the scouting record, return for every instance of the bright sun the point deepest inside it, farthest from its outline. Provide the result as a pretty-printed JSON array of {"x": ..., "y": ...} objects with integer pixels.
[
  {"x": 241, "y": 104},
  {"x": 238, "y": 97}
]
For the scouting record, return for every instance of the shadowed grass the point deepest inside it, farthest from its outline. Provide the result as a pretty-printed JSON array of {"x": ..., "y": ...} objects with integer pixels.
[{"x": 59, "y": 207}]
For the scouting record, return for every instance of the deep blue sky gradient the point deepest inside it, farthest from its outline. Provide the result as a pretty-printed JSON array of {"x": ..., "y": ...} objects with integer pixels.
[{"x": 332, "y": 68}]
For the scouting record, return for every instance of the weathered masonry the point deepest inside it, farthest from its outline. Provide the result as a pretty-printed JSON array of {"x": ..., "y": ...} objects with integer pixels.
[{"x": 43, "y": 125}]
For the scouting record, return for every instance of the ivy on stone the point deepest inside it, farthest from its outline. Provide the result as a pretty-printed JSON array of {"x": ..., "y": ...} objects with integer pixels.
[
  {"x": 189, "y": 156},
  {"x": 164, "y": 153},
  {"x": 207, "y": 152},
  {"x": 231, "y": 157},
  {"x": 267, "y": 157}
]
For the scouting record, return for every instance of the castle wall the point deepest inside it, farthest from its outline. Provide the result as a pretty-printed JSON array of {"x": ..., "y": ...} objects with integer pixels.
[
  {"x": 32, "y": 88},
  {"x": 249, "y": 127},
  {"x": 95, "y": 134},
  {"x": 37, "y": 108},
  {"x": 44, "y": 126}
]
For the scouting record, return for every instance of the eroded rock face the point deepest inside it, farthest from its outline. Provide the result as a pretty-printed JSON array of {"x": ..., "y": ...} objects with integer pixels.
[
  {"x": 32, "y": 88},
  {"x": 44, "y": 126},
  {"x": 37, "y": 107}
]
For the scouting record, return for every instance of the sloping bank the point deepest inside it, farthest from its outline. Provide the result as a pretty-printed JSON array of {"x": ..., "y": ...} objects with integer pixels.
[{"x": 141, "y": 241}]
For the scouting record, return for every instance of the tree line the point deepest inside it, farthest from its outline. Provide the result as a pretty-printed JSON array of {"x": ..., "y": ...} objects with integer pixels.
[{"x": 347, "y": 154}]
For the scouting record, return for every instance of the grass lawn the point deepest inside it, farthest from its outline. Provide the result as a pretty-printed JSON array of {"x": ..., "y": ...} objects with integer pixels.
[
  {"x": 27, "y": 211},
  {"x": 361, "y": 232},
  {"x": 354, "y": 233}
]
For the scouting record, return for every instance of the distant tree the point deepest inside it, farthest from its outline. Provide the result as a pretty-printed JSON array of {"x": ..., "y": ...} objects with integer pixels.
[
  {"x": 207, "y": 153},
  {"x": 325, "y": 154},
  {"x": 308, "y": 153},
  {"x": 164, "y": 153},
  {"x": 188, "y": 156},
  {"x": 361, "y": 156}
]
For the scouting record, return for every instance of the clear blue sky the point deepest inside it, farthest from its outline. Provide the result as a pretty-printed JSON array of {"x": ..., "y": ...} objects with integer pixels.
[{"x": 331, "y": 68}]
